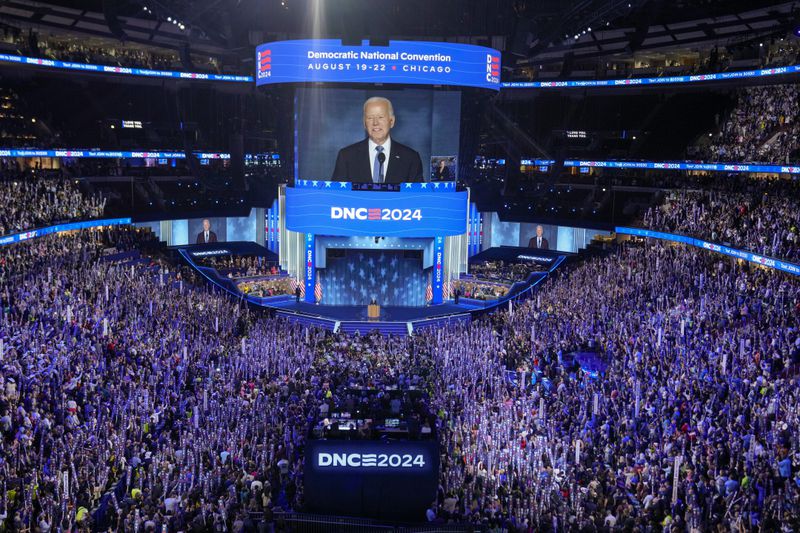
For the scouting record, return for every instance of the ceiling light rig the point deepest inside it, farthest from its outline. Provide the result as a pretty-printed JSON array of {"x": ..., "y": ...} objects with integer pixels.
[{"x": 170, "y": 19}]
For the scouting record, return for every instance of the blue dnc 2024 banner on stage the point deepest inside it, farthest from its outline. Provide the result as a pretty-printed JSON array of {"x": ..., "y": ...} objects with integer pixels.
[
  {"x": 402, "y": 62},
  {"x": 364, "y": 213}
]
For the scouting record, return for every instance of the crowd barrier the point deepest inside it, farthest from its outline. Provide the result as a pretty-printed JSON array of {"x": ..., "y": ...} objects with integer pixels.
[{"x": 768, "y": 262}]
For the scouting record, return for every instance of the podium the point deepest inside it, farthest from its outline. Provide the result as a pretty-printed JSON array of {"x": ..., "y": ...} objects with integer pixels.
[{"x": 373, "y": 311}]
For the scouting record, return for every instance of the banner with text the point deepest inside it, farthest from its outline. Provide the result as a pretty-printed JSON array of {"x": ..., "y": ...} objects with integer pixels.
[
  {"x": 114, "y": 69},
  {"x": 401, "y": 62},
  {"x": 311, "y": 269},
  {"x": 768, "y": 262},
  {"x": 386, "y": 214}
]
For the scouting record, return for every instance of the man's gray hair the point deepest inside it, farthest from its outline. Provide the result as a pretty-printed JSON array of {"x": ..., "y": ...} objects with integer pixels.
[{"x": 379, "y": 99}]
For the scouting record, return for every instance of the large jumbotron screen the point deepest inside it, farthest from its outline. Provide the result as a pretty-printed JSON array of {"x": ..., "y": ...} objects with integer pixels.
[{"x": 328, "y": 119}]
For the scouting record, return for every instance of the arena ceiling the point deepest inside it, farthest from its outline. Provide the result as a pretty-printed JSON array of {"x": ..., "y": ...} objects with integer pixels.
[{"x": 530, "y": 31}]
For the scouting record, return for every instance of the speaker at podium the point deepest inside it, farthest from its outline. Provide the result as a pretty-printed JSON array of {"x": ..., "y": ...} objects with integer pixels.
[{"x": 373, "y": 310}]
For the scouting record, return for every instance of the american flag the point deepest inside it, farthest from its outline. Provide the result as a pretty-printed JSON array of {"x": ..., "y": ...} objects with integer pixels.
[
  {"x": 429, "y": 293},
  {"x": 446, "y": 289},
  {"x": 318, "y": 291},
  {"x": 297, "y": 283}
]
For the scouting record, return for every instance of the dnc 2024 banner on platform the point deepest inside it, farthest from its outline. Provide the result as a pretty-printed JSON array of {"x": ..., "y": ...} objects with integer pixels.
[
  {"x": 362, "y": 213},
  {"x": 401, "y": 62}
]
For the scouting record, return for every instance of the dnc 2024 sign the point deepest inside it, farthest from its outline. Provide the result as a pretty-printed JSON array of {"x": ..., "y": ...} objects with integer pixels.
[
  {"x": 365, "y": 213},
  {"x": 401, "y": 62}
]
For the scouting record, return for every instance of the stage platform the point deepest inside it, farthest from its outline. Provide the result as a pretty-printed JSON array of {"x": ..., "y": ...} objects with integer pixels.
[
  {"x": 352, "y": 319},
  {"x": 388, "y": 314}
]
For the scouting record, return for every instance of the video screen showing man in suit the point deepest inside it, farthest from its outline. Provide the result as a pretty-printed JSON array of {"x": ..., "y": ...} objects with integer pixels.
[
  {"x": 443, "y": 168},
  {"x": 538, "y": 241},
  {"x": 206, "y": 236},
  {"x": 378, "y": 158}
]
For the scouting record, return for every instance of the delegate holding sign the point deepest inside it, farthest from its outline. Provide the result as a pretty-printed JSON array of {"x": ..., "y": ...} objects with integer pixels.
[
  {"x": 362, "y": 213},
  {"x": 402, "y": 62}
]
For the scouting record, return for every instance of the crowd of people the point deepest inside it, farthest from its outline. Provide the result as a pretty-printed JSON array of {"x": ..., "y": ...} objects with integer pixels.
[
  {"x": 503, "y": 270},
  {"x": 136, "y": 398},
  {"x": 762, "y": 127},
  {"x": 479, "y": 290},
  {"x": 103, "y": 53},
  {"x": 40, "y": 198},
  {"x": 264, "y": 288},
  {"x": 19, "y": 125},
  {"x": 764, "y": 220},
  {"x": 238, "y": 266},
  {"x": 703, "y": 355}
]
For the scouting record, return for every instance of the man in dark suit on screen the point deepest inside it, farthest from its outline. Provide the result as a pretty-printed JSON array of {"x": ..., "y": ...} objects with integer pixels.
[
  {"x": 378, "y": 158},
  {"x": 206, "y": 236},
  {"x": 538, "y": 241}
]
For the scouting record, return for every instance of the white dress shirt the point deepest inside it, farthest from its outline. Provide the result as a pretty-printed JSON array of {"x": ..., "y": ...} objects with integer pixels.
[
  {"x": 387, "y": 149},
  {"x": 205, "y": 236}
]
